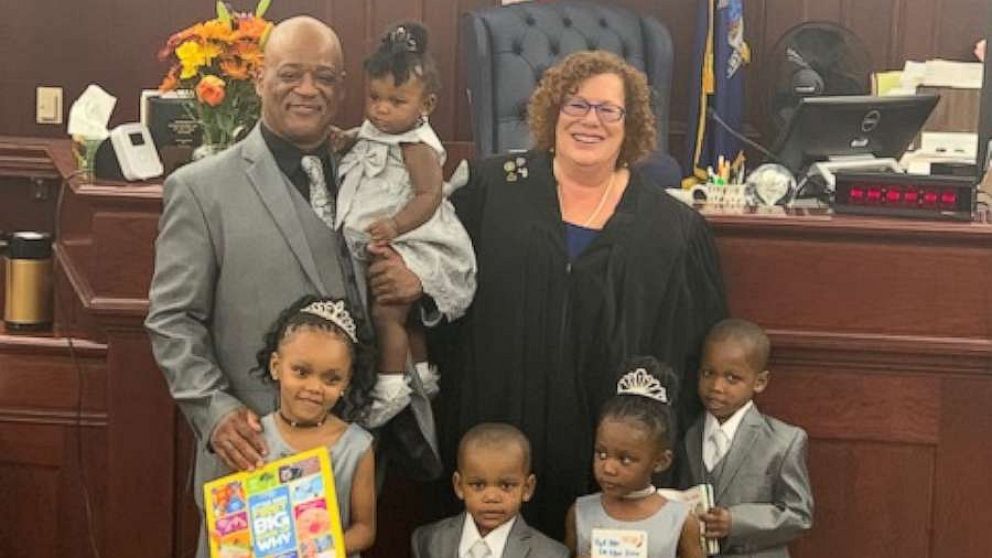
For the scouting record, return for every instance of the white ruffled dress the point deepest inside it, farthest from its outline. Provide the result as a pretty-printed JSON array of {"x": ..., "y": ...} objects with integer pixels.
[{"x": 375, "y": 184}]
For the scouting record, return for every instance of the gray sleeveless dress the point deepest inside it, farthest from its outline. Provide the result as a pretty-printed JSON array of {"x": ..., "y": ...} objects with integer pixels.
[
  {"x": 663, "y": 528},
  {"x": 345, "y": 455}
]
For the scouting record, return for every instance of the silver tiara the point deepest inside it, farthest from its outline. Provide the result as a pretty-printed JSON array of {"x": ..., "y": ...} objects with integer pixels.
[
  {"x": 336, "y": 313},
  {"x": 639, "y": 382}
]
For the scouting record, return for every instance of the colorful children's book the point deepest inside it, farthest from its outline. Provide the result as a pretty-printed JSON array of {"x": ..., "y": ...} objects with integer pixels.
[
  {"x": 700, "y": 499},
  {"x": 285, "y": 509},
  {"x": 619, "y": 543}
]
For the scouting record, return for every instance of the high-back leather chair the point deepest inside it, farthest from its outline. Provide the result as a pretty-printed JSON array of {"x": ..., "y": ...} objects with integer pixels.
[{"x": 509, "y": 47}]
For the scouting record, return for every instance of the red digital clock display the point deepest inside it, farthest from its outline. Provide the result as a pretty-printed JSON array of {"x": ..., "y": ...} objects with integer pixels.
[{"x": 904, "y": 195}]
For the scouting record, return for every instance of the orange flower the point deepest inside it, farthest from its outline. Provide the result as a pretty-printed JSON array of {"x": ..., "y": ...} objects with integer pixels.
[
  {"x": 235, "y": 69},
  {"x": 217, "y": 30},
  {"x": 170, "y": 81},
  {"x": 251, "y": 28},
  {"x": 178, "y": 38},
  {"x": 249, "y": 53},
  {"x": 210, "y": 90}
]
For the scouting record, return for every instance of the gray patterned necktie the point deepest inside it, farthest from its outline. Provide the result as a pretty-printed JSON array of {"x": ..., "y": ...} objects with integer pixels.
[{"x": 320, "y": 200}]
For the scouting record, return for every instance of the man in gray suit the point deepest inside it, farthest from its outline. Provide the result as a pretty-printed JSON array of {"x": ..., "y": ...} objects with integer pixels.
[
  {"x": 756, "y": 464},
  {"x": 239, "y": 241}
]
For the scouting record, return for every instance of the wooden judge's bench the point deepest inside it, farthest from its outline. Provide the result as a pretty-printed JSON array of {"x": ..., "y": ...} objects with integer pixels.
[{"x": 882, "y": 335}]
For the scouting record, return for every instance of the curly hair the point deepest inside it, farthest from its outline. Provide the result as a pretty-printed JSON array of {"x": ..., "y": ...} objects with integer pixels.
[
  {"x": 355, "y": 401},
  {"x": 564, "y": 78},
  {"x": 402, "y": 53}
]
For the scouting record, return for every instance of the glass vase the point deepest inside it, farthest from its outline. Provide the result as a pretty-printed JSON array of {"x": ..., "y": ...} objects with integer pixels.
[{"x": 208, "y": 149}]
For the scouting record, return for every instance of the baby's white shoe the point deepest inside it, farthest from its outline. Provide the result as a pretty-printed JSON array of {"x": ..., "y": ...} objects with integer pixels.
[{"x": 390, "y": 395}]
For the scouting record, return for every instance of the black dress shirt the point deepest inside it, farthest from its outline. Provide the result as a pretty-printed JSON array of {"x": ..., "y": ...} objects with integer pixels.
[{"x": 289, "y": 159}]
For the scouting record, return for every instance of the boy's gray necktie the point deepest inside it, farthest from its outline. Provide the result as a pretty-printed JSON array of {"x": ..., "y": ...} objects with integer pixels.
[
  {"x": 480, "y": 550},
  {"x": 719, "y": 446}
]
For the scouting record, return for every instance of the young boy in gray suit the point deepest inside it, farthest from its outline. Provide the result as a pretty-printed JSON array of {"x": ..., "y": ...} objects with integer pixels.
[
  {"x": 493, "y": 479},
  {"x": 756, "y": 464}
]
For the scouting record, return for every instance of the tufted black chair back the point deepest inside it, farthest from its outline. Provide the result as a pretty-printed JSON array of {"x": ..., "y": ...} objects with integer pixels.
[{"x": 509, "y": 47}]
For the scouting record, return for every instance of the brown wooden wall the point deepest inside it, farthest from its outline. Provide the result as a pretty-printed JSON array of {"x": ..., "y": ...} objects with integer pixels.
[{"x": 113, "y": 43}]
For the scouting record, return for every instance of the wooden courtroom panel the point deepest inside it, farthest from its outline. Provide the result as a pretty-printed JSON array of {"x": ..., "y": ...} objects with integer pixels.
[
  {"x": 872, "y": 499},
  {"x": 873, "y": 445},
  {"x": 859, "y": 276},
  {"x": 96, "y": 399},
  {"x": 882, "y": 351},
  {"x": 961, "y": 516},
  {"x": 30, "y": 471},
  {"x": 49, "y": 402},
  {"x": 893, "y": 288}
]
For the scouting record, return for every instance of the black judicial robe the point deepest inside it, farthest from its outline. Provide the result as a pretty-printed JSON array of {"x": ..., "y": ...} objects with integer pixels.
[{"x": 542, "y": 343}]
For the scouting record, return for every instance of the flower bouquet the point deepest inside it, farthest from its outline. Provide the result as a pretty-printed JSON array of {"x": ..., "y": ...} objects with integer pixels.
[{"x": 216, "y": 62}]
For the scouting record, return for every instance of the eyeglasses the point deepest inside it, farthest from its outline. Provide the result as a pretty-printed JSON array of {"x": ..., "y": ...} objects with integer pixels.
[{"x": 607, "y": 112}]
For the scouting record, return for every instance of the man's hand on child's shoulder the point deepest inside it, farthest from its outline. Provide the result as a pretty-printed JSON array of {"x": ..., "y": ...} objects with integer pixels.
[
  {"x": 237, "y": 440},
  {"x": 717, "y": 522}
]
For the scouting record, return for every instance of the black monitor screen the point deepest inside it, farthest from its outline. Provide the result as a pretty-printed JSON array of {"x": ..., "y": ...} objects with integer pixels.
[{"x": 825, "y": 127}]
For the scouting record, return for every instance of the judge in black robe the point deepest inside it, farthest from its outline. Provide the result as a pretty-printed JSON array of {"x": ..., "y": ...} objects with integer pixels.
[{"x": 543, "y": 340}]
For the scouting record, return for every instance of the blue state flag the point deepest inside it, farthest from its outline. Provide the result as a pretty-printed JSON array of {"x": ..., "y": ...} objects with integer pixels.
[{"x": 720, "y": 55}]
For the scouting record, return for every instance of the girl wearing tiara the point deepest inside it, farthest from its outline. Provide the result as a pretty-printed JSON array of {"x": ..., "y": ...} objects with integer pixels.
[
  {"x": 392, "y": 197},
  {"x": 634, "y": 440},
  {"x": 324, "y": 375}
]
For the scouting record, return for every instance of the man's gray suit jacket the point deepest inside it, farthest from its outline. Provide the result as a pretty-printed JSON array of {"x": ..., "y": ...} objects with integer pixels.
[{"x": 236, "y": 247}]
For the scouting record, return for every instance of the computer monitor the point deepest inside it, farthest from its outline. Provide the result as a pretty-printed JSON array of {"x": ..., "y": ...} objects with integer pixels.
[{"x": 826, "y": 127}]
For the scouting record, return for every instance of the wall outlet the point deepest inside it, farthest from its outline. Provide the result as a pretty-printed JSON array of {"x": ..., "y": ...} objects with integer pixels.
[{"x": 48, "y": 109}]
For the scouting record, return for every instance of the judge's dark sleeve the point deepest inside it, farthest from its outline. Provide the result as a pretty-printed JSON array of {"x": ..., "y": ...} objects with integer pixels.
[{"x": 707, "y": 305}]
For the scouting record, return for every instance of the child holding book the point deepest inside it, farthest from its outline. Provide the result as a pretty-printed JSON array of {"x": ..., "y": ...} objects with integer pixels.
[
  {"x": 493, "y": 479},
  {"x": 324, "y": 375},
  {"x": 634, "y": 440},
  {"x": 755, "y": 463}
]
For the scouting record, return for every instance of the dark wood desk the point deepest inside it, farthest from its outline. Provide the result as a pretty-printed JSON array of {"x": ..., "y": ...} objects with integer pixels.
[{"x": 882, "y": 333}]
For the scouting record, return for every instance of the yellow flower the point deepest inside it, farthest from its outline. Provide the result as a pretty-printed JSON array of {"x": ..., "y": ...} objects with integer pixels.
[
  {"x": 190, "y": 55},
  {"x": 193, "y": 55}
]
